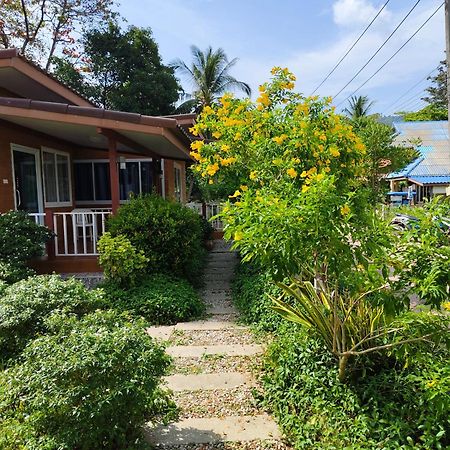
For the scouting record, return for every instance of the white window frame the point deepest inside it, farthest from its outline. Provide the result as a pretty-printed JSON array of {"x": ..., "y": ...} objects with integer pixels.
[
  {"x": 67, "y": 155},
  {"x": 177, "y": 166},
  {"x": 92, "y": 162},
  {"x": 37, "y": 155}
]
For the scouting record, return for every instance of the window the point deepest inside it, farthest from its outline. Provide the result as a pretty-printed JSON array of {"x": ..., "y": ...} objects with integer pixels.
[
  {"x": 177, "y": 184},
  {"x": 92, "y": 182},
  {"x": 57, "y": 183}
]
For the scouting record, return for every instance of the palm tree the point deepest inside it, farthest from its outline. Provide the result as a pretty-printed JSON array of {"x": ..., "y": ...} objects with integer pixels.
[
  {"x": 358, "y": 106},
  {"x": 209, "y": 75}
]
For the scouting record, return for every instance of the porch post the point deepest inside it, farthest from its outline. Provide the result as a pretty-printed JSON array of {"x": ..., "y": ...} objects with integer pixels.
[
  {"x": 49, "y": 223},
  {"x": 113, "y": 174}
]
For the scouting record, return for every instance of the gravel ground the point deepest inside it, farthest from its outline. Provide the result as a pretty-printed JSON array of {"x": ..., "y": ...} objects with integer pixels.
[
  {"x": 239, "y": 401},
  {"x": 216, "y": 364},
  {"x": 254, "y": 445},
  {"x": 212, "y": 337}
]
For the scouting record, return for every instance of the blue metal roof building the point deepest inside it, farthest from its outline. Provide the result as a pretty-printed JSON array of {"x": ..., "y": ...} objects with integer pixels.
[{"x": 431, "y": 170}]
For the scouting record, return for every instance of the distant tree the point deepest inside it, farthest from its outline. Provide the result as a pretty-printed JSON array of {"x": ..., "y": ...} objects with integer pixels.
[
  {"x": 123, "y": 70},
  {"x": 438, "y": 89},
  {"x": 383, "y": 154},
  {"x": 430, "y": 112},
  {"x": 358, "y": 107},
  {"x": 209, "y": 75},
  {"x": 41, "y": 29}
]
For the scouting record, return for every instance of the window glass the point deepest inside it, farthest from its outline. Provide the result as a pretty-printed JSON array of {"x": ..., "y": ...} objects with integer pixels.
[
  {"x": 101, "y": 181},
  {"x": 129, "y": 180},
  {"x": 62, "y": 166},
  {"x": 50, "y": 177},
  {"x": 84, "y": 182},
  {"x": 146, "y": 177}
]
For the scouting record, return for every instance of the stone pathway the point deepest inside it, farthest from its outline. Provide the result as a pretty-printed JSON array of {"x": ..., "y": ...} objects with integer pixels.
[{"x": 212, "y": 380}]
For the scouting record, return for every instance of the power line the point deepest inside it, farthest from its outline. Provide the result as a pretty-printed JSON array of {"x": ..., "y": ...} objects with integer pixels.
[
  {"x": 403, "y": 104},
  {"x": 411, "y": 88},
  {"x": 382, "y": 45},
  {"x": 351, "y": 48},
  {"x": 392, "y": 57}
]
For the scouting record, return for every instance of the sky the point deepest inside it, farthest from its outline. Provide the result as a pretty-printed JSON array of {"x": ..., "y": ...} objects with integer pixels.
[{"x": 308, "y": 37}]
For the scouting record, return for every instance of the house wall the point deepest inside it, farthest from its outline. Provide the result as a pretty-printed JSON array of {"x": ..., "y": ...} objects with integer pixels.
[{"x": 169, "y": 179}]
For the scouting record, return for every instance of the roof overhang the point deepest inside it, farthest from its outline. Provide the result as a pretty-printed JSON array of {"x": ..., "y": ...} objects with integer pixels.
[
  {"x": 85, "y": 127},
  {"x": 27, "y": 80}
]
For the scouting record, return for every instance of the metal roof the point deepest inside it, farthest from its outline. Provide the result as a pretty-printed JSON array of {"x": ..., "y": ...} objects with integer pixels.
[{"x": 433, "y": 164}]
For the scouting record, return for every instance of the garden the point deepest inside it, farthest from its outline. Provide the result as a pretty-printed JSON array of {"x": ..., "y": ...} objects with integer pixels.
[
  {"x": 353, "y": 363},
  {"x": 77, "y": 368}
]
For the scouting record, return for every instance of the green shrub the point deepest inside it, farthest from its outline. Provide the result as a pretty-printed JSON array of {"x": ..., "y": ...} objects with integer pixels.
[
  {"x": 25, "y": 305},
  {"x": 121, "y": 262},
  {"x": 20, "y": 240},
  {"x": 160, "y": 299},
  {"x": 92, "y": 384},
  {"x": 252, "y": 289},
  {"x": 389, "y": 406},
  {"x": 169, "y": 235}
]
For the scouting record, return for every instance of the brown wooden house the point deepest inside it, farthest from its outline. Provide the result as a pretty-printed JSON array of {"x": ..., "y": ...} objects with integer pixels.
[{"x": 70, "y": 164}]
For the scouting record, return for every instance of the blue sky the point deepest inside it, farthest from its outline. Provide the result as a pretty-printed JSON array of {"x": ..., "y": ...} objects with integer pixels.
[{"x": 308, "y": 36}]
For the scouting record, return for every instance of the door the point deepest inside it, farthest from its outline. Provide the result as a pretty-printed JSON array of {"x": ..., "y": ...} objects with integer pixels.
[{"x": 27, "y": 179}]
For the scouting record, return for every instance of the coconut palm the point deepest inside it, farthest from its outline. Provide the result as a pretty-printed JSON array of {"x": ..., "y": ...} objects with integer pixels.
[
  {"x": 210, "y": 77},
  {"x": 358, "y": 106}
]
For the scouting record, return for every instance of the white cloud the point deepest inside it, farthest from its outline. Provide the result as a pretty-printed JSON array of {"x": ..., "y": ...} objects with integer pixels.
[{"x": 355, "y": 12}]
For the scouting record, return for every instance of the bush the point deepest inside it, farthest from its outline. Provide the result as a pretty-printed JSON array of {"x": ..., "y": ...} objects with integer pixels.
[
  {"x": 121, "y": 262},
  {"x": 389, "y": 406},
  {"x": 20, "y": 240},
  {"x": 160, "y": 299},
  {"x": 92, "y": 384},
  {"x": 25, "y": 305},
  {"x": 169, "y": 235},
  {"x": 252, "y": 289}
]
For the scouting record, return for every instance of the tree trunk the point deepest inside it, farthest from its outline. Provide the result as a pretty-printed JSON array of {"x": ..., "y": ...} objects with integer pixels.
[{"x": 342, "y": 366}]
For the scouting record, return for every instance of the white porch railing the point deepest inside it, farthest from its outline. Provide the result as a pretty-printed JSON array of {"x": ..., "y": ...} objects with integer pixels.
[
  {"x": 39, "y": 218},
  {"x": 78, "y": 232},
  {"x": 209, "y": 210}
]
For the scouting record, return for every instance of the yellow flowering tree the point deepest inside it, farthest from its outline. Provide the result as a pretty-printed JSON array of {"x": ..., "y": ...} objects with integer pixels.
[{"x": 298, "y": 164}]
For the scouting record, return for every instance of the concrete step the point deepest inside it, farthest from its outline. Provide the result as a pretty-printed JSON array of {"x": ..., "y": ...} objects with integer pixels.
[
  {"x": 197, "y": 351},
  {"x": 210, "y": 430},
  {"x": 208, "y": 381},
  {"x": 221, "y": 309}
]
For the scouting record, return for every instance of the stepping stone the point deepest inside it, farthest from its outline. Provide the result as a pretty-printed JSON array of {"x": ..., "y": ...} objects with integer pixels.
[
  {"x": 207, "y": 381},
  {"x": 210, "y": 325},
  {"x": 160, "y": 332},
  {"x": 197, "y": 351},
  {"x": 219, "y": 309},
  {"x": 209, "y": 430}
]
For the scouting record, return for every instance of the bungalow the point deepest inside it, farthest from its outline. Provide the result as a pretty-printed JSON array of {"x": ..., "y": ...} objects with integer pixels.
[
  {"x": 70, "y": 164},
  {"x": 429, "y": 174}
]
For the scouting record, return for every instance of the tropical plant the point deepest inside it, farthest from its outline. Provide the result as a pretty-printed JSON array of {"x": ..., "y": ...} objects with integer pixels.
[
  {"x": 209, "y": 75},
  {"x": 429, "y": 112},
  {"x": 437, "y": 92},
  {"x": 350, "y": 326},
  {"x": 121, "y": 262},
  {"x": 358, "y": 106}
]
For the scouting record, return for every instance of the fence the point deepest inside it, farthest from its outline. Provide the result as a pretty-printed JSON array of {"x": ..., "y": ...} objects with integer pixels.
[{"x": 209, "y": 211}]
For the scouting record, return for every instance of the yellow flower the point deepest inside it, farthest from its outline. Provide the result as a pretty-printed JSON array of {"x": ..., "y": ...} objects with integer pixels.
[
  {"x": 196, "y": 156},
  {"x": 225, "y": 148},
  {"x": 292, "y": 172},
  {"x": 253, "y": 175},
  {"x": 238, "y": 235},
  {"x": 217, "y": 134},
  {"x": 305, "y": 188},
  {"x": 236, "y": 194},
  {"x": 277, "y": 162},
  {"x": 194, "y": 131},
  {"x": 280, "y": 139},
  {"x": 304, "y": 174},
  {"x": 212, "y": 169},
  {"x": 244, "y": 188},
  {"x": 320, "y": 176},
  {"x": 327, "y": 169},
  {"x": 335, "y": 152},
  {"x": 345, "y": 210},
  {"x": 228, "y": 161},
  {"x": 237, "y": 136},
  {"x": 197, "y": 145},
  {"x": 210, "y": 182},
  {"x": 262, "y": 88},
  {"x": 446, "y": 306}
]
